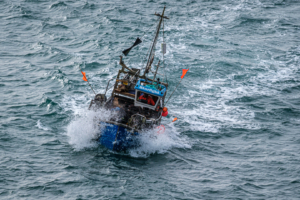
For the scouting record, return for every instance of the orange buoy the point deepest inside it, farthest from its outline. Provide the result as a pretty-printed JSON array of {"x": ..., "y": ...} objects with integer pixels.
[{"x": 165, "y": 112}]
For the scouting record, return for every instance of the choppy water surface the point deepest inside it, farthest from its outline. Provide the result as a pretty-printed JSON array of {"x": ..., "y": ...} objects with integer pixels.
[{"x": 237, "y": 136}]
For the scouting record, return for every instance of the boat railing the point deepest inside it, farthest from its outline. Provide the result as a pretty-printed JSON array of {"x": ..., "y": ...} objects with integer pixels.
[
  {"x": 140, "y": 116},
  {"x": 151, "y": 120},
  {"x": 154, "y": 120},
  {"x": 125, "y": 94},
  {"x": 107, "y": 85}
]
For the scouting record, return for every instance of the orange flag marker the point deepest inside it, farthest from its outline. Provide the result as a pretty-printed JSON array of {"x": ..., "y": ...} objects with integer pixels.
[
  {"x": 85, "y": 79},
  {"x": 84, "y": 76},
  {"x": 184, "y": 71}
]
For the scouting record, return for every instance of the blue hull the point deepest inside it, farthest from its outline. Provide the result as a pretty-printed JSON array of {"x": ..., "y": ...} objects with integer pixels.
[{"x": 117, "y": 137}]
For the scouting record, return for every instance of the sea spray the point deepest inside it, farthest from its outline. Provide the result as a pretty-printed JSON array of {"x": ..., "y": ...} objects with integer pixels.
[
  {"x": 151, "y": 141},
  {"x": 84, "y": 129}
]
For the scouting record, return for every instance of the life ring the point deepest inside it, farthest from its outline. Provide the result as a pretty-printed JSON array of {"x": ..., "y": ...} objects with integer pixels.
[{"x": 160, "y": 129}]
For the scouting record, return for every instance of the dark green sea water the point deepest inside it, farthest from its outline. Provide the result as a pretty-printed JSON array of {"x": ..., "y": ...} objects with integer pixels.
[{"x": 237, "y": 136}]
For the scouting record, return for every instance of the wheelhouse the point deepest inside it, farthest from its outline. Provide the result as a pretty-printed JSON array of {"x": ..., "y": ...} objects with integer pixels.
[{"x": 152, "y": 90}]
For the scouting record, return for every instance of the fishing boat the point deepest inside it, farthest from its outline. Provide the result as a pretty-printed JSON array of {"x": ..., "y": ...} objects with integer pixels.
[{"x": 137, "y": 99}]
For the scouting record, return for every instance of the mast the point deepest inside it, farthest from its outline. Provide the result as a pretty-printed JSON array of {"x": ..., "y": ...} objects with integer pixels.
[{"x": 152, "y": 52}]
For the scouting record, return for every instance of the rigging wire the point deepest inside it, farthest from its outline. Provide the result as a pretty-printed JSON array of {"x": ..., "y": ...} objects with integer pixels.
[
  {"x": 163, "y": 21},
  {"x": 143, "y": 62},
  {"x": 145, "y": 59},
  {"x": 164, "y": 64},
  {"x": 139, "y": 37},
  {"x": 148, "y": 29},
  {"x": 153, "y": 47}
]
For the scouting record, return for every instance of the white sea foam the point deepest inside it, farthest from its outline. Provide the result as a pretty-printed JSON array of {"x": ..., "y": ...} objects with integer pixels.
[
  {"x": 152, "y": 142},
  {"x": 41, "y": 126},
  {"x": 84, "y": 129},
  {"x": 213, "y": 103}
]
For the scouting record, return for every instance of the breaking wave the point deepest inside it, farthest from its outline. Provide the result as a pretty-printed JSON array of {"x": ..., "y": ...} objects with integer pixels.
[
  {"x": 152, "y": 142},
  {"x": 82, "y": 130}
]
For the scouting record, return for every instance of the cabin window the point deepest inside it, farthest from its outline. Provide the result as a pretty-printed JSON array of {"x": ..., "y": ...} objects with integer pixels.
[{"x": 146, "y": 98}]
